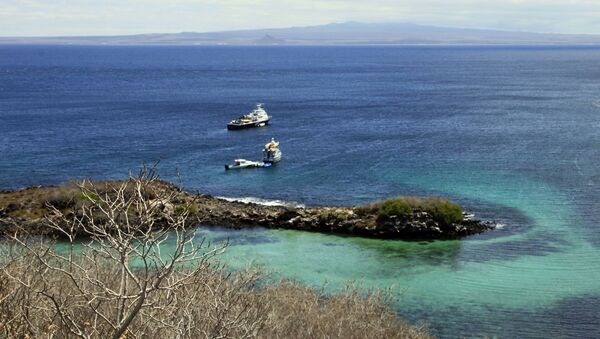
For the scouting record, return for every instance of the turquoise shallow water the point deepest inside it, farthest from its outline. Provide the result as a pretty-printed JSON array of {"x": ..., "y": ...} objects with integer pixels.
[
  {"x": 511, "y": 132},
  {"x": 492, "y": 284}
]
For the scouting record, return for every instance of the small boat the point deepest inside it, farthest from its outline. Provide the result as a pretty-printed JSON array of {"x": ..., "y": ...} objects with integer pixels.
[
  {"x": 257, "y": 118},
  {"x": 271, "y": 152},
  {"x": 271, "y": 155},
  {"x": 243, "y": 163}
]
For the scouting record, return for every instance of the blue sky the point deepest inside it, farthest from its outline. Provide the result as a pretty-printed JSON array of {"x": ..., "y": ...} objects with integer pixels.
[{"x": 94, "y": 17}]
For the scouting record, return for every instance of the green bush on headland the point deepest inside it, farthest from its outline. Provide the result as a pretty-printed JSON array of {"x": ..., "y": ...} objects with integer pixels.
[
  {"x": 441, "y": 210},
  {"x": 444, "y": 211},
  {"x": 397, "y": 207}
]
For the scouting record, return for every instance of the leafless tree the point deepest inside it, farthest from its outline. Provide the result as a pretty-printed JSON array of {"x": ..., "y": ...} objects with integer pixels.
[{"x": 127, "y": 228}]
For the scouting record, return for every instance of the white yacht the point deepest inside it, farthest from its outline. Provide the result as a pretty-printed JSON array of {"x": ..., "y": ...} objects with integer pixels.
[
  {"x": 257, "y": 118},
  {"x": 271, "y": 152}
]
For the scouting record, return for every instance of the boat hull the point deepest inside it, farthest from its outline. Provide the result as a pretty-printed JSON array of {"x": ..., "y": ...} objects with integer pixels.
[
  {"x": 253, "y": 165},
  {"x": 272, "y": 158},
  {"x": 253, "y": 124}
]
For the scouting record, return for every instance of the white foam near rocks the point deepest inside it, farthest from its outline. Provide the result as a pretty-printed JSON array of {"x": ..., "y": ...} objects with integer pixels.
[{"x": 264, "y": 202}]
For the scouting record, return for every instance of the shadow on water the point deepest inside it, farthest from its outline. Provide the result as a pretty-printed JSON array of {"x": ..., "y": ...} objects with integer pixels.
[
  {"x": 434, "y": 252},
  {"x": 290, "y": 245},
  {"x": 233, "y": 237},
  {"x": 413, "y": 253}
]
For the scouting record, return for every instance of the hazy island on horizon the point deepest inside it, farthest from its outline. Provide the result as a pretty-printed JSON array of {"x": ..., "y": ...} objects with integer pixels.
[{"x": 394, "y": 33}]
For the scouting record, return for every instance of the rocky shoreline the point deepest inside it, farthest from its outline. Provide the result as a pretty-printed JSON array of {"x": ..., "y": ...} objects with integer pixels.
[
  {"x": 26, "y": 209},
  {"x": 340, "y": 220}
]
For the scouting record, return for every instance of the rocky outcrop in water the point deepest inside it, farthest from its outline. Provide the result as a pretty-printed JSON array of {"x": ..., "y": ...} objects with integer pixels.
[
  {"x": 340, "y": 220},
  {"x": 26, "y": 209}
]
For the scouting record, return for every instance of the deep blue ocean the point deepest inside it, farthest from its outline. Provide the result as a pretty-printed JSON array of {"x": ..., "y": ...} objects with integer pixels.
[{"x": 512, "y": 133}]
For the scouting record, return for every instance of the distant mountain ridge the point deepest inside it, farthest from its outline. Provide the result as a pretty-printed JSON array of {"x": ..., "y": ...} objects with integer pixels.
[
  {"x": 330, "y": 34},
  {"x": 269, "y": 40}
]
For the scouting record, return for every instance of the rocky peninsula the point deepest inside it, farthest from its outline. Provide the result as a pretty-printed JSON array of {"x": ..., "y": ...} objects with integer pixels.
[{"x": 408, "y": 218}]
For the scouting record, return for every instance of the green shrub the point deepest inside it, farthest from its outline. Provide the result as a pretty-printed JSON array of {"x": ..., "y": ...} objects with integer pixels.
[
  {"x": 441, "y": 210},
  {"x": 366, "y": 210},
  {"x": 444, "y": 211},
  {"x": 393, "y": 207}
]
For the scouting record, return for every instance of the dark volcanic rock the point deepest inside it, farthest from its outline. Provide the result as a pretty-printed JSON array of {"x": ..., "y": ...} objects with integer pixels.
[
  {"x": 26, "y": 209},
  {"x": 343, "y": 220}
]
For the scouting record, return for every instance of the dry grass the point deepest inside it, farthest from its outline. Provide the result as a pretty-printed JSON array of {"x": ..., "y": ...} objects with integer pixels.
[
  {"x": 219, "y": 304},
  {"x": 301, "y": 312},
  {"x": 32, "y": 203}
]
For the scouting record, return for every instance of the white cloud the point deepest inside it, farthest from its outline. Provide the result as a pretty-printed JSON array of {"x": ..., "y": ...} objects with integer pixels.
[{"x": 85, "y": 17}]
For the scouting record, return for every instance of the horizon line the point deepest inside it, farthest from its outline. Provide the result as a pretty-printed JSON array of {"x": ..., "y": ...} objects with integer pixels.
[{"x": 293, "y": 27}]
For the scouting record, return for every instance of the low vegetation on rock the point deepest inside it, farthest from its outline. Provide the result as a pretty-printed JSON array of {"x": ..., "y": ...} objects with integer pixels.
[
  {"x": 409, "y": 218},
  {"x": 441, "y": 210}
]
